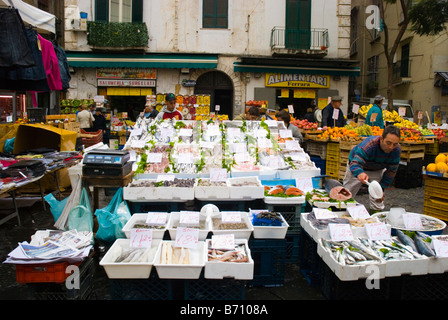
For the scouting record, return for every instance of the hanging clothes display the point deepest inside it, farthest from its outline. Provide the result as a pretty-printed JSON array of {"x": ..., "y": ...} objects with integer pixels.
[
  {"x": 63, "y": 65},
  {"x": 51, "y": 65},
  {"x": 15, "y": 48}
]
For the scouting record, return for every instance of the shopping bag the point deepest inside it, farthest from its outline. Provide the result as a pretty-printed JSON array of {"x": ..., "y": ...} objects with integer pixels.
[
  {"x": 80, "y": 217},
  {"x": 112, "y": 218},
  {"x": 56, "y": 206}
]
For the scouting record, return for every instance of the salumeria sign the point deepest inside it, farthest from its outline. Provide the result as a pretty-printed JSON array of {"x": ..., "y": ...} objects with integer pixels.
[
  {"x": 297, "y": 80},
  {"x": 126, "y": 83}
]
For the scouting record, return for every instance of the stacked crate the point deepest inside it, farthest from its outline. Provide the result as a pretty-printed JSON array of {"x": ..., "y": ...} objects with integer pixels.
[
  {"x": 435, "y": 201},
  {"x": 409, "y": 174},
  {"x": 344, "y": 151},
  {"x": 332, "y": 165}
]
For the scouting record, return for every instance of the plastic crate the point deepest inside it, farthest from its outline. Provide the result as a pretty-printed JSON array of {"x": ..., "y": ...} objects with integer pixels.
[
  {"x": 292, "y": 248},
  {"x": 59, "y": 291},
  {"x": 214, "y": 289},
  {"x": 309, "y": 261},
  {"x": 432, "y": 148},
  {"x": 409, "y": 175},
  {"x": 44, "y": 272},
  {"x": 423, "y": 287},
  {"x": 435, "y": 207},
  {"x": 152, "y": 288},
  {"x": 316, "y": 148},
  {"x": 36, "y": 114},
  {"x": 332, "y": 169},
  {"x": 320, "y": 163},
  {"x": 269, "y": 262},
  {"x": 291, "y": 214},
  {"x": 335, "y": 289}
]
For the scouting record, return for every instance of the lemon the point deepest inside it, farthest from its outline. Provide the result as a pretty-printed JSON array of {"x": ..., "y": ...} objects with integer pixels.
[
  {"x": 442, "y": 167},
  {"x": 440, "y": 158},
  {"x": 431, "y": 167}
]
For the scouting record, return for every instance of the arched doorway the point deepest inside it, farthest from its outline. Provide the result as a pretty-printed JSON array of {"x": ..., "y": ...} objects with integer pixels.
[{"x": 220, "y": 88}]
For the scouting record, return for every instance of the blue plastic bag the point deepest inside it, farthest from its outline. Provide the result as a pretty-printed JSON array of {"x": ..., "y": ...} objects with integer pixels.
[
  {"x": 80, "y": 217},
  {"x": 56, "y": 206},
  {"x": 9, "y": 145},
  {"x": 112, "y": 218}
]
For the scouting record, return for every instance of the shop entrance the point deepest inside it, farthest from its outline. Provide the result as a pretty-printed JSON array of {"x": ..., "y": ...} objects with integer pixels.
[
  {"x": 300, "y": 104},
  {"x": 219, "y": 86},
  {"x": 133, "y": 105}
]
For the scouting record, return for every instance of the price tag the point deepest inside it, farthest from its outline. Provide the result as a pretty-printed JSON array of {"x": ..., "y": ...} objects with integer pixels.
[
  {"x": 290, "y": 108},
  {"x": 133, "y": 156},
  {"x": 140, "y": 238},
  {"x": 189, "y": 218},
  {"x": 373, "y": 117},
  {"x": 217, "y": 107},
  {"x": 186, "y": 158},
  {"x": 358, "y": 212},
  {"x": 285, "y": 133},
  {"x": 336, "y": 114},
  {"x": 187, "y": 237},
  {"x": 261, "y": 133},
  {"x": 274, "y": 162},
  {"x": 156, "y": 218},
  {"x": 231, "y": 217},
  {"x": 165, "y": 177},
  {"x": 412, "y": 221},
  {"x": 165, "y": 133},
  {"x": 239, "y": 147},
  {"x": 138, "y": 144},
  {"x": 242, "y": 157},
  {"x": 185, "y": 132},
  {"x": 377, "y": 231},
  {"x": 292, "y": 145},
  {"x": 213, "y": 130},
  {"x": 233, "y": 132},
  {"x": 402, "y": 111},
  {"x": 305, "y": 184},
  {"x": 271, "y": 123},
  {"x": 355, "y": 108},
  {"x": 135, "y": 132},
  {"x": 218, "y": 174},
  {"x": 420, "y": 115},
  {"x": 299, "y": 156},
  {"x": 440, "y": 247},
  {"x": 264, "y": 142},
  {"x": 323, "y": 213},
  {"x": 340, "y": 232},
  {"x": 154, "y": 157},
  {"x": 223, "y": 241}
]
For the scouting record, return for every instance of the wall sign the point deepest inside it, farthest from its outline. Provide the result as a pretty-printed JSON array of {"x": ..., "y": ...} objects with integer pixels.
[{"x": 297, "y": 80}]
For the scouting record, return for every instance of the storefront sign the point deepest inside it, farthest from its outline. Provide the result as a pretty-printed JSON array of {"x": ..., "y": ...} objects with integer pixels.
[
  {"x": 297, "y": 80},
  {"x": 126, "y": 73},
  {"x": 126, "y": 83}
]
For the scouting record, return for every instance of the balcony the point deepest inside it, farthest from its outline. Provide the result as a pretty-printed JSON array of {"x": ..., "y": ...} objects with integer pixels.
[
  {"x": 401, "y": 72},
  {"x": 116, "y": 36},
  {"x": 299, "y": 41}
]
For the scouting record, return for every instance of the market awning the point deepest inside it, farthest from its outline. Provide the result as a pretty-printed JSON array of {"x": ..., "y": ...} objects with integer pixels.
[
  {"x": 34, "y": 16},
  {"x": 336, "y": 67},
  {"x": 104, "y": 60}
]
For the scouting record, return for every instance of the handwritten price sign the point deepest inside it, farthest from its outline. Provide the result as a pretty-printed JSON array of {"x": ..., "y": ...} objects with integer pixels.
[
  {"x": 323, "y": 213},
  {"x": 189, "y": 218},
  {"x": 412, "y": 221},
  {"x": 292, "y": 145},
  {"x": 230, "y": 217},
  {"x": 223, "y": 241},
  {"x": 358, "y": 212},
  {"x": 187, "y": 237},
  {"x": 305, "y": 184},
  {"x": 340, "y": 232},
  {"x": 141, "y": 238},
  {"x": 285, "y": 133},
  {"x": 440, "y": 247},
  {"x": 156, "y": 218},
  {"x": 218, "y": 174},
  {"x": 377, "y": 231}
]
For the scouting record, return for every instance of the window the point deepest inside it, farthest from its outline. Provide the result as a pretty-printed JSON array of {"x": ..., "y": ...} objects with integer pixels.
[
  {"x": 372, "y": 72},
  {"x": 119, "y": 10},
  {"x": 215, "y": 14}
]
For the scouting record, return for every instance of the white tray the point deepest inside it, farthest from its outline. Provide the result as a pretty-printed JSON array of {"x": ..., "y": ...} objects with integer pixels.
[
  {"x": 175, "y": 216},
  {"x": 123, "y": 270},
  {"x": 193, "y": 270},
  {"x": 245, "y": 192},
  {"x": 271, "y": 232},
  {"x": 280, "y": 200},
  {"x": 210, "y": 193},
  {"x": 235, "y": 270},
  {"x": 238, "y": 233},
  {"x": 151, "y": 194},
  {"x": 141, "y": 218}
]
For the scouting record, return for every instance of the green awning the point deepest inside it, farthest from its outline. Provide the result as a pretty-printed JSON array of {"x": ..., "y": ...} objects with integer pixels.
[
  {"x": 104, "y": 60},
  {"x": 345, "y": 71}
]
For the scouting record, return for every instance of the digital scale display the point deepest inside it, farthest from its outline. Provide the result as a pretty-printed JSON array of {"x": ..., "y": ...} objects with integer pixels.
[{"x": 102, "y": 159}]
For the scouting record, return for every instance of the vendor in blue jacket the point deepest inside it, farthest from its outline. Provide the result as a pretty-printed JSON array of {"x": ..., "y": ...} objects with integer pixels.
[{"x": 374, "y": 116}]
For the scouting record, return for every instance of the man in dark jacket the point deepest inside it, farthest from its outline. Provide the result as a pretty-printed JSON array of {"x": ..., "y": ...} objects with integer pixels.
[
  {"x": 329, "y": 113},
  {"x": 100, "y": 123}
]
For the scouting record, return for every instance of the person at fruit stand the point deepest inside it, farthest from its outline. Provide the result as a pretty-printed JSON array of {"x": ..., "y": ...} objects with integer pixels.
[
  {"x": 252, "y": 114},
  {"x": 309, "y": 115},
  {"x": 85, "y": 118},
  {"x": 100, "y": 123},
  {"x": 329, "y": 111},
  {"x": 375, "y": 158},
  {"x": 150, "y": 111},
  {"x": 374, "y": 116},
  {"x": 284, "y": 116},
  {"x": 169, "y": 111}
]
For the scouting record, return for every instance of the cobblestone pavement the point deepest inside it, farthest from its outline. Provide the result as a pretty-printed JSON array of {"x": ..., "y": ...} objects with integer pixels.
[{"x": 295, "y": 287}]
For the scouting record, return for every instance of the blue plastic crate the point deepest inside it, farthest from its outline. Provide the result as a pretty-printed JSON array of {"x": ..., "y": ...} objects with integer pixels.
[
  {"x": 320, "y": 163},
  {"x": 269, "y": 257},
  {"x": 292, "y": 248},
  {"x": 214, "y": 289},
  {"x": 309, "y": 261}
]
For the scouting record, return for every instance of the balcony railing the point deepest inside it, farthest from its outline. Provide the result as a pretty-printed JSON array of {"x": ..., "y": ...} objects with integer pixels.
[
  {"x": 299, "y": 39},
  {"x": 117, "y": 35},
  {"x": 402, "y": 71}
]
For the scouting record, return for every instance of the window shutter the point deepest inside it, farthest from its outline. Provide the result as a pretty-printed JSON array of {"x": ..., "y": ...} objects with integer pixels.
[
  {"x": 137, "y": 10},
  {"x": 102, "y": 10}
]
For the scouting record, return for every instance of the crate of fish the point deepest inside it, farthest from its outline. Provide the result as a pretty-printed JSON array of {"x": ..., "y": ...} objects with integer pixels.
[
  {"x": 214, "y": 289},
  {"x": 268, "y": 224},
  {"x": 269, "y": 262},
  {"x": 152, "y": 288},
  {"x": 333, "y": 288},
  {"x": 79, "y": 287}
]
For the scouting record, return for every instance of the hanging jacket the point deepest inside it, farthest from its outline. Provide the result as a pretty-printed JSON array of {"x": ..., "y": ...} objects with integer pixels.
[{"x": 51, "y": 64}]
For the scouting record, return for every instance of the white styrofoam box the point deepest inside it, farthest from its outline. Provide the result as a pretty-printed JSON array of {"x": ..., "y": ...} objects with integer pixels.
[
  {"x": 414, "y": 267},
  {"x": 437, "y": 265},
  {"x": 281, "y": 200},
  {"x": 350, "y": 272},
  {"x": 245, "y": 192},
  {"x": 211, "y": 193},
  {"x": 158, "y": 193},
  {"x": 238, "y": 233},
  {"x": 198, "y": 256},
  {"x": 271, "y": 232},
  {"x": 328, "y": 204},
  {"x": 302, "y": 173},
  {"x": 236, "y": 270},
  {"x": 174, "y": 220},
  {"x": 140, "y": 218},
  {"x": 124, "y": 270}
]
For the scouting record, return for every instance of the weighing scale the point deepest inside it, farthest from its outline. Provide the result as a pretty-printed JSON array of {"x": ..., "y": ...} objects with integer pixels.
[{"x": 100, "y": 162}]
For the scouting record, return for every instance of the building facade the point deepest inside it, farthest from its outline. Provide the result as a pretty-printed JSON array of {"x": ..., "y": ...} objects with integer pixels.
[{"x": 283, "y": 52}]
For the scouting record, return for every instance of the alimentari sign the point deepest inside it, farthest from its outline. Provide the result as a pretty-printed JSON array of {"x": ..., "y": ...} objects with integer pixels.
[{"x": 297, "y": 80}]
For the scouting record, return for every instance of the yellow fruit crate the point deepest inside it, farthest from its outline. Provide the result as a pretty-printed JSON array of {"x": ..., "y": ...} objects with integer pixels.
[
  {"x": 436, "y": 207},
  {"x": 332, "y": 169},
  {"x": 432, "y": 148}
]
